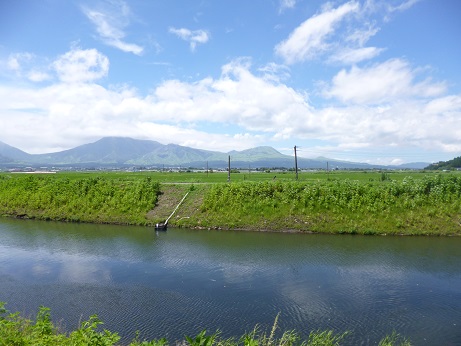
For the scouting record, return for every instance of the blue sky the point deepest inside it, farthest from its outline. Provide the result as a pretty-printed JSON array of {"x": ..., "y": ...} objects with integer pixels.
[{"x": 362, "y": 80}]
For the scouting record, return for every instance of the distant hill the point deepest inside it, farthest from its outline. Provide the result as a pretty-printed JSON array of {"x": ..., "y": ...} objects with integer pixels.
[
  {"x": 123, "y": 152},
  {"x": 451, "y": 164},
  {"x": 106, "y": 151},
  {"x": 12, "y": 154}
]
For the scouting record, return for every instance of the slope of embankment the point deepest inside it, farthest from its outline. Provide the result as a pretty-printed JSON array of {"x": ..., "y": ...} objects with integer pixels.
[{"x": 427, "y": 206}]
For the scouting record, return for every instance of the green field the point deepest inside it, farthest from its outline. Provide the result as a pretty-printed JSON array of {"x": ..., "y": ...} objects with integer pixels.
[
  {"x": 350, "y": 202},
  {"x": 245, "y": 175}
]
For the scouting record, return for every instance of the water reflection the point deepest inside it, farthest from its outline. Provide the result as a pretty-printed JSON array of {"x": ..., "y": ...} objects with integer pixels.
[{"x": 180, "y": 281}]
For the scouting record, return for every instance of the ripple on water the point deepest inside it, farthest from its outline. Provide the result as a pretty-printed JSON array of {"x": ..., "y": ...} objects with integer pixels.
[{"x": 190, "y": 280}]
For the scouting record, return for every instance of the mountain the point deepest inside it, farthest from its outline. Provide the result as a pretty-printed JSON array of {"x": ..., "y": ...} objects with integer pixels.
[
  {"x": 108, "y": 150},
  {"x": 123, "y": 152},
  {"x": 11, "y": 154},
  {"x": 413, "y": 165},
  {"x": 174, "y": 155}
]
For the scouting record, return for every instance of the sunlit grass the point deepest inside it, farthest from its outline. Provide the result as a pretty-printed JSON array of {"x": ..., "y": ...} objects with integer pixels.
[{"x": 337, "y": 202}]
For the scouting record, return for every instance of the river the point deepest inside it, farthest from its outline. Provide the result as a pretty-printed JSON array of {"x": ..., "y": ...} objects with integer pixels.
[{"x": 175, "y": 283}]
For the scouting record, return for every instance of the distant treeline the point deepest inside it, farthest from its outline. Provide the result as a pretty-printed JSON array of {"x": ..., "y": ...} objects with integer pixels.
[{"x": 449, "y": 165}]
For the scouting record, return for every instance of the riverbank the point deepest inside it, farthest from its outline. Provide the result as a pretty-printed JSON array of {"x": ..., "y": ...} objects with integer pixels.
[
  {"x": 343, "y": 207},
  {"x": 426, "y": 206}
]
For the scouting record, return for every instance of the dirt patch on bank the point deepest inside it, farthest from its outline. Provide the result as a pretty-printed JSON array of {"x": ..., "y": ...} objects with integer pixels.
[{"x": 171, "y": 195}]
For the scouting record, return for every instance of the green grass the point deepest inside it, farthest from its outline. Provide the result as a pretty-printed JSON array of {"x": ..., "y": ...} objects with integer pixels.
[
  {"x": 20, "y": 331},
  {"x": 431, "y": 205},
  {"x": 91, "y": 199},
  {"x": 412, "y": 203},
  {"x": 244, "y": 175}
]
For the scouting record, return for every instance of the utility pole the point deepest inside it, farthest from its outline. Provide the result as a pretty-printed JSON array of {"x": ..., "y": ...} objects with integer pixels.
[
  {"x": 207, "y": 169},
  {"x": 296, "y": 164},
  {"x": 228, "y": 170}
]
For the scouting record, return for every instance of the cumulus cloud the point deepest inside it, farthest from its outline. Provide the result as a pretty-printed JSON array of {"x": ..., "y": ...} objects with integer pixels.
[
  {"x": 194, "y": 37},
  {"x": 81, "y": 109},
  {"x": 382, "y": 105},
  {"x": 110, "y": 23},
  {"x": 81, "y": 65},
  {"x": 15, "y": 61},
  {"x": 23, "y": 66},
  {"x": 38, "y": 76},
  {"x": 238, "y": 97},
  {"x": 308, "y": 40},
  {"x": 382, "y": 82}
]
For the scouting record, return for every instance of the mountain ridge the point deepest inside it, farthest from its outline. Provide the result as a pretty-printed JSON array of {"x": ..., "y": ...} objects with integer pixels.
[{"x": 125, "y": 151}]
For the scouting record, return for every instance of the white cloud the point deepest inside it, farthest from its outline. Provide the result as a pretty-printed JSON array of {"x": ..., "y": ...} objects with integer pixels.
[
  {"x": 340, "y": 33},
  {"x": 238, "y": 97},
  {"x": 444, "y": 105},
  {"x": 194, "y": 37},
  {"x": 386, "y": 106},
  {"x": 308, "y": 40},
  {"x": 384, "y": 82},
  {"x": 275, "y": 72},
  {"x": 397, "y": 127},
  {"x": 38, "y": 76},
  {"x": 110, "y": 23},
  {"x": 76, "y": 112},
  {"x": 352, "y": 56},
  {"x": 14, "y": 60},
  {"x": 362, "y": 35},
  {"x": 80, "y": 65},
  {"x": 404, "y": 5},
  {"x": 286, "y": 4},
  {"x": 23, "y": 66}
]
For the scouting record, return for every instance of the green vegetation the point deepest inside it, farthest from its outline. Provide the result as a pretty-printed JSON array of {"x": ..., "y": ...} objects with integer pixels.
[
  {"x": 446, "y": 165},
  {"x": 431, "y": 205},
  {"x": 20, "y": 331},
  {"x": 92, "y": 199},
  {"x": 413, "y": 203}
]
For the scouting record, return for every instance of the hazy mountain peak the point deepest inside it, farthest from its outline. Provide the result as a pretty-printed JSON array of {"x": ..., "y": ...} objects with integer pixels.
[
  {"x": 10, "y": 153},
  {"x": 123, "y": 151}
]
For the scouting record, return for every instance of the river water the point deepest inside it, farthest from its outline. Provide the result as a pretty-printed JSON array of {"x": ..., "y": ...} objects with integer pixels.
[{"x": 176, "y": 283}]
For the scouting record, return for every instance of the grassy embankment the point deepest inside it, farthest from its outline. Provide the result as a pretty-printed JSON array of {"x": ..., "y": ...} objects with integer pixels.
[
  {"x": 17, "y": 330},
  {"x": 90, "y": 199},
  {"x": 431, "y": 205},
  {"x": 351, "y": 202}
]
